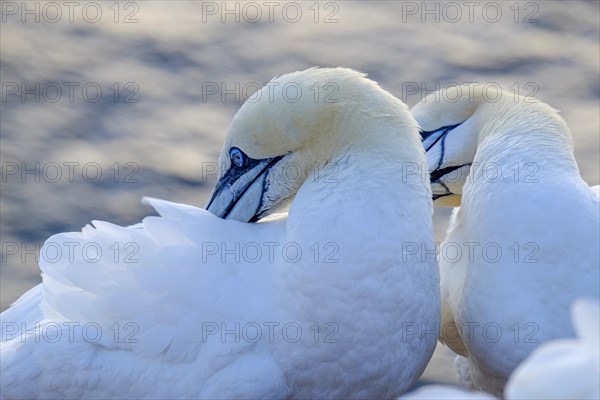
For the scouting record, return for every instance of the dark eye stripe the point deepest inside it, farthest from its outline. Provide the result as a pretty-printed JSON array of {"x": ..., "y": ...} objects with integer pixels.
[
  {"x": 426, "y": 134},
  {"x": 443, "y": 131}
]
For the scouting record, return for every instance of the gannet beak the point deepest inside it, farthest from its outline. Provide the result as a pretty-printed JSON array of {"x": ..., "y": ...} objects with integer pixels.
[
  {"x": 434, "y": 143},
  {"x": 441, "y": 192},
  {"x": 239, "y": 193}
]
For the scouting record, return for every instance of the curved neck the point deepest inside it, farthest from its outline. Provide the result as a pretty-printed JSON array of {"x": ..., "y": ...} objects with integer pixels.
[
  {"x": 525, "y": 134},
  {"x": 379, "y": 179}
]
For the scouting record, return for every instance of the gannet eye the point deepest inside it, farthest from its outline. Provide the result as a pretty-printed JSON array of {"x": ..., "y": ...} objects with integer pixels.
[{"x": 238, "y": 157}]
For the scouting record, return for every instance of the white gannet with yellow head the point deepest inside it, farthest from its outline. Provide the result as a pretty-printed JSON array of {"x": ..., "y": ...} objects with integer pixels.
[
  {"x": 322, "y": 303},
  {"x": 524, "y": 243}
]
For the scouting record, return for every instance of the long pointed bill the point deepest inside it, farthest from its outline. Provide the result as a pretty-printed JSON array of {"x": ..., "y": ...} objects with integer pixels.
[
  {"x": 431, "y": 138},
  {"x": 442, "y": 174},
  {"x": 239, "y": 193},
  {"x": 442, "y": 183}
]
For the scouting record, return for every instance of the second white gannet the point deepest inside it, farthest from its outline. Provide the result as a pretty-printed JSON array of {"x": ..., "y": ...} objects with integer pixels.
[
  {"x": 525, "y": 242},
  {"x": 322, "y": 303}
]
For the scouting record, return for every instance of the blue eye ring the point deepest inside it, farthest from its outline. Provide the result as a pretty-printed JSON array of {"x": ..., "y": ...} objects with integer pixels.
[{"x": 238, "y": 158}]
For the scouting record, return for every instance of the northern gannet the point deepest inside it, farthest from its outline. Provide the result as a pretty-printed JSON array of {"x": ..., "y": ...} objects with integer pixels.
[
  {"x": 322, "y": 303},
  {"x": 524, "y": 243}
]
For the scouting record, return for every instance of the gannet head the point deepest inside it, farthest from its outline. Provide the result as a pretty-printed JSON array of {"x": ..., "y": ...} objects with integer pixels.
[
  {"x": 441, "y": 116},
  {"x": 455, "y": 121},
  {"x": 295, "y": 124}
]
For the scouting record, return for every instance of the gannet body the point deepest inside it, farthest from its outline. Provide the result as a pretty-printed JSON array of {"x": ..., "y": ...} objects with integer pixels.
[
  {"x": 319, "y": 304},
  {"x": 524, "y": 243}
]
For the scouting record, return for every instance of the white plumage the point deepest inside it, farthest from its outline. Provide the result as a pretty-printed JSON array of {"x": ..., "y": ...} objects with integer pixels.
[
  {"x": 558, "y": 369},
  {"x": 445, "y": 392},
  {"x": 181, "y": 306},
  {"x": 525, "y": 242},
  {"x": 563, "y": 369}
]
